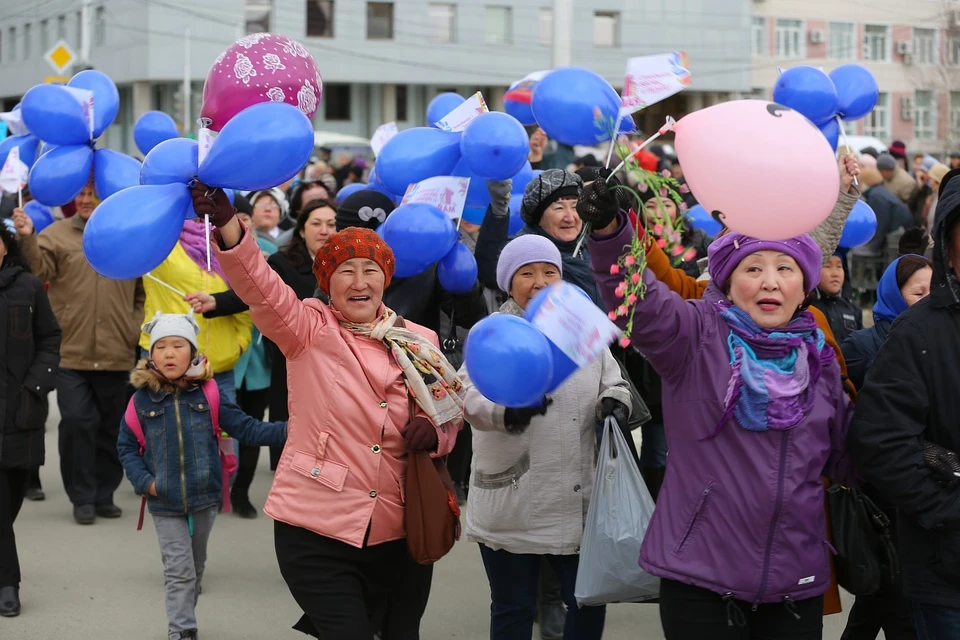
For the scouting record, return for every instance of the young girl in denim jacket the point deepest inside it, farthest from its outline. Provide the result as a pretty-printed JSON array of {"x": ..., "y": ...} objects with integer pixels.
[{"x": 180, "y": 470}]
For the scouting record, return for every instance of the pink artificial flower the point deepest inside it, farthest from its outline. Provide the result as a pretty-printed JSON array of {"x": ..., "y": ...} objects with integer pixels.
[
  {"x": 683, "y": 207},
  {"x": 690, "y": 254},
  {"x": 658, "y": 228},
  {"x": 674, "y": 237},
  {"x": 630, "y": 261},
  {"x": 632, "y": 299},
  {"x": 665, "y": 173},
  {"x": 677, "y": 250},
  {"x": 618, "y": 292},
  {"x": 664, "y": 192},
  {"x": 612, "y": 315},
  {"x": 635, "y": 278},
  {"x": 624, "y": 342},
  {"x": 661, "y": 243},
  {"x": 684, "y": 188},
  {"x": 622, "y": 310},
  {"x": 614, "y": 269},
  {"x": 642, "y": 187}
]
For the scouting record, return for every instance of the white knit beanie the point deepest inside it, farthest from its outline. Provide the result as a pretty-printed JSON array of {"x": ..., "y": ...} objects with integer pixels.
[{"x": 168, "y": 325}]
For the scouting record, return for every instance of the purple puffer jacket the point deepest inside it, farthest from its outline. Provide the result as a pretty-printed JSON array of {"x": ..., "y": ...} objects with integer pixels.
[{"x": 741, "y": 513}]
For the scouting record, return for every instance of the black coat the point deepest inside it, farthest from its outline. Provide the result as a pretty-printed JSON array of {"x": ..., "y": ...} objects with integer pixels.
[
  {"x": 844, "y": 316},
  {"x": 860, "y": 349},
  {"x": 29, "y": 355},
  {"x": 892, "y": 214},
  {"x": 420, "y": 299},
  {"x": 910, "y": 396}
]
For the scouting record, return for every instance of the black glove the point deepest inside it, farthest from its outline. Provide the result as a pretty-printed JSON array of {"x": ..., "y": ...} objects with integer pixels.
[
  {"x": 620, "y": 412},
  {"x": 216, "y": 205},
  {"x": 517, "y": 419},
  {"x": 943, "y": 462},
  {"x": 598, "y": 202}
]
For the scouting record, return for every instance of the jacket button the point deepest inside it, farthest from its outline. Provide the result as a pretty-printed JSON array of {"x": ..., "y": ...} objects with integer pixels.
[
  {"x": 383, "y": 404},
  {"x": 199, "y": 406},
  {"x": 153, "y": 413},
  {"x": 98, "y": 320},
  {"x": 38, "y": 387},
  {"x": 577, "y": 488},
  {"x": 373, "y": 494},
  {"x": 49, "y": 370},
  {"x": 375, "y": 448},
  {"x": 315, "y": 472},
  {"x": 96, "y": 365},
  {"x": 577, "y": 550}
]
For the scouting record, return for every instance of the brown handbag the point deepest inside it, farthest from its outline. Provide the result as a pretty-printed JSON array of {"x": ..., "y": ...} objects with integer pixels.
[{"x": 431, "y": 514}]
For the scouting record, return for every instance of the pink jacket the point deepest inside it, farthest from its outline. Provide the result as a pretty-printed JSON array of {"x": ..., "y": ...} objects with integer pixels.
[{"x": 344, "y": 462}]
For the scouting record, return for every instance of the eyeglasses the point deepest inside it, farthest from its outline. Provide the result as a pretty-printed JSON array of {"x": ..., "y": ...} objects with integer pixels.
[{"x": 267, "y": 207}]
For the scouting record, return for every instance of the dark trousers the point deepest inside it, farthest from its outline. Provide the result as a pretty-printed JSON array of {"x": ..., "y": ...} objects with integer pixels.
[
  {"x": 514, "y": 578},
  {"x": 458, "y": 462},
  {"x": 888, "y": 611},
  {"x": 692, "y": 613},
  {"x": 13, "y": 484},
  {"x": 935, "y": 622},
  {"x": 341, "y": 588},
  {"x": 254, "y": 404},
  {"x": 91, "y": 406}
]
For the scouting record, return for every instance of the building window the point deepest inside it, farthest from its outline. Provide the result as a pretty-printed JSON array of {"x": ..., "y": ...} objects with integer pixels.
[
  {"x": 876, "y": 43},
  {"x": 443, "y": 22},
  {"x": 840, "y": 40},
  {"x": 61, "y": 28},
  {"x": 99, "y": 27},
  {"x": 497, "y": 25},
  {"x": 27, "y": 37},
  {"x": 953, "y": 51},
  {"x": 44, "y": 36},
  {"x": 336, "y": 101},
  {"x": 546, "y": 27},
  {"x": 925, "y": 46},
  {"x": 877, "y": 122},
  {"x": 924, "y": 115},
  {"x": 256, "y": 15},
  {"x": 606, "y": 29},
  {"x": 379, "y": 21},
  {"x": 12, "y": 45},
  {"x": 758, "y": 36},
  {"x": 790, "y": 42},
  {"x": 79, "y": 33},
  {"x": 401, "y": 103},
  {"x": 955, "y": 114},
  {"x": 320, "y": 19}
]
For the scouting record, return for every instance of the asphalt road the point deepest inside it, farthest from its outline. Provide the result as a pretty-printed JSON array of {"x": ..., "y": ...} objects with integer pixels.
[{"x": 106, "y": 581}]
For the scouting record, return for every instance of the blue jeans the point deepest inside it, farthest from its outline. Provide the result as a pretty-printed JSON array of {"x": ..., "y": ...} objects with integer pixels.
[
  {"x": 935, "y": 622},
  {"x": 513, "y": 581}
]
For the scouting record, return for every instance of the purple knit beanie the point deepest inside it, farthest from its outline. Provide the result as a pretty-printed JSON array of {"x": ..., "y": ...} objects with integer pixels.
[
  {"x": 524, "y": 250},
  {"x": 728, "y": 251}
]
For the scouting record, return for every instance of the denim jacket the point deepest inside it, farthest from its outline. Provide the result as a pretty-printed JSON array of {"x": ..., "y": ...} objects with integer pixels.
[{"x": 182, "y": 454}]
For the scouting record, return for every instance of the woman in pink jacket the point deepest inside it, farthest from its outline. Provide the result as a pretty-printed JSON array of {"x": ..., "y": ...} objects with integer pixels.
[{"x": 365, "y": 389}]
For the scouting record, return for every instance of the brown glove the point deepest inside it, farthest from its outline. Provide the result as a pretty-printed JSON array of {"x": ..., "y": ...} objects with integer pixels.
[
  {"x": 420, "y": 435},
  {"x": 216, "y": 204}
]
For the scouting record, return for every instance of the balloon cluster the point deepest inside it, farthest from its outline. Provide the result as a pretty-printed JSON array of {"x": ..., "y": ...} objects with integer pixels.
[
  {"x": 850, "y": 92},
  {"x": 152, "y": 128},
  {"x": 263, "y": 141},
  {"x": 513, "y": 363},
  {"x": 69, "y": 125}
]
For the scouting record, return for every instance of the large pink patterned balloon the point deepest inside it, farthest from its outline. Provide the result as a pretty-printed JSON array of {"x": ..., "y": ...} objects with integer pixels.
[{"x": 261, "y": 67}]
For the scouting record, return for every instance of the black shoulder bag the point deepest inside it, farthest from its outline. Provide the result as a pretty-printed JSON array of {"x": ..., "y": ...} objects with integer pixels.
[{"x": 866, "y": 557}]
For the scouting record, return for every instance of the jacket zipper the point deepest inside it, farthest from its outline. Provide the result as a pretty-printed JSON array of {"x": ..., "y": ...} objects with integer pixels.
[
  {"x": 784, "y": 439},
  {"x": 183, "y": 462}
]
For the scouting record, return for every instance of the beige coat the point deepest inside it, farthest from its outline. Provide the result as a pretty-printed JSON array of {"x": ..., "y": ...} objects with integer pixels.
[
  {"x": 100, "y": 317},
  {"x": 901, "y": 184},
  {"x": 529, "y": 493}
]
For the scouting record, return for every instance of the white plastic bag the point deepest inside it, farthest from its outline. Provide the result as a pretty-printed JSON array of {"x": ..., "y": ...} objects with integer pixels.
[{"x": 617, "y": 519}]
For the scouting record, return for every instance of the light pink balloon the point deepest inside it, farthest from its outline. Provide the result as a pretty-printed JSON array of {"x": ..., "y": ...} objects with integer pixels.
[
  {"x": 765, "y": 168},
  {"x": 261, "y": 67}
]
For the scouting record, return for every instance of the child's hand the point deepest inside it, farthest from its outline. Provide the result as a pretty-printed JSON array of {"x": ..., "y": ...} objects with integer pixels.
[{"x": 153, "y": 488}]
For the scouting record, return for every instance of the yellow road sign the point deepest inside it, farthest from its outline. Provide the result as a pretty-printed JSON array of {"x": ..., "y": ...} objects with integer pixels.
[
  {"x": 60, "y": 57},
  {"x": 56, "y": 80}
]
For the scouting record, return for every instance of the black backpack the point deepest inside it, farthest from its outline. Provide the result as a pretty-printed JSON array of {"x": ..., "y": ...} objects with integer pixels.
[{"x": 866, "y": 558}]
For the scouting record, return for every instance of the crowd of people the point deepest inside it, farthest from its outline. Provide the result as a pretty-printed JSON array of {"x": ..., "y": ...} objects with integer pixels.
[{"x": 750, "y": 379}]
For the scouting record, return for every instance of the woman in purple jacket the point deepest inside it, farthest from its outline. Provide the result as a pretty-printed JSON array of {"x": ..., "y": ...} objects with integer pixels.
[{"x": 754, "y": 414}]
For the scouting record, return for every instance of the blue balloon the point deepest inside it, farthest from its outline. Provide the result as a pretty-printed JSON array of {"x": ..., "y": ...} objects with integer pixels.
[
  {"x": 575, "y": 106},
  {"x": 106, "y": 98},
  {"x": 521, "y": 111},
  {"x": 831, "y": 131},
  {"x": 860, "y": 227},
  {"x": 441, "y": 105},
  {"x": 171, "y": 162},
  {"x": 516, "y": 222},
  {"x": 151, "y": 129},
  {"x": 627, "y": 126},
  {"x": 857, "y": 91},
  {"x": 509, "y": 360},
  {"x": 231, "y": 196},
  {"x": 114, "y": 171},
  {"x": 477, "y": 195},
  {"x": 701, "y": 219},
  {"x": 807, "y": 90},
  {"x": 60, "y": 175},
  {"x": 417, "y": 154},
  {"x": 474, "y": 215},
  {"x": 419, "y": 234},
  {"x": 522, "y": 179},
  {"x": 349, "y": 190},
  {"x": 28, "y": 145},
  {"x": 375, "y": 184},
  {"x": 55, "y": 116},
  {"x": 495, "y": 146},
  {"x": 457, "y": 271},
  {"x": 134, "y": 230},
  {"x": 41, "y": 216},
  {"x": 261, "y": 147}
]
